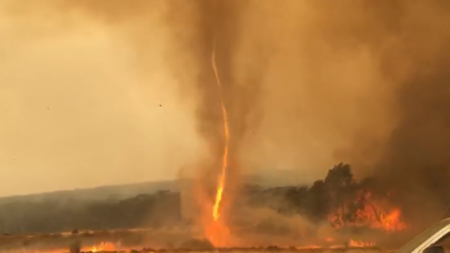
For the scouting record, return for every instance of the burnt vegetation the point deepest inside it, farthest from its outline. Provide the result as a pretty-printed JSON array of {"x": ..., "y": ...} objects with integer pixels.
[
  {"x": 338, "y": 198},
  {"x": 335, "y": 199}
]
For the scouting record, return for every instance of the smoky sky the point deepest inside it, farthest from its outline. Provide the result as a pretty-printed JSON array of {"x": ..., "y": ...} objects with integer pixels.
[
  {"x": 411, "y": 40},
  {"x": 307, "y": 84},
  {"x": 415, "y": 160},
  {"x": 78, "y": 110}
]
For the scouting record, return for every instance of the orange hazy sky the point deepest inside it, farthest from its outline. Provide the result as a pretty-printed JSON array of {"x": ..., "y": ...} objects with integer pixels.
[{"x": 89, "y": 95}]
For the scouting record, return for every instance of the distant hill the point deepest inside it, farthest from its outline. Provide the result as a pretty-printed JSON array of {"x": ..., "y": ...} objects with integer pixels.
[
  {"x": 264, "y": 178},
  {"x": 99, "y": 193}
]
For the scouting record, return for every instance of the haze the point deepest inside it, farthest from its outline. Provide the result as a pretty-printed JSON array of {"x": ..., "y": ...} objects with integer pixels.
[
  {"x": 94, "y": 94},
  {"x": 76, "y": 111},
  {"x": 106, "y": 92}
]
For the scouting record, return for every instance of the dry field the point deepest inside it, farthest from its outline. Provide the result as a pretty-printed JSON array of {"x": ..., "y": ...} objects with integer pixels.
[{"x": 141, "y": 241}]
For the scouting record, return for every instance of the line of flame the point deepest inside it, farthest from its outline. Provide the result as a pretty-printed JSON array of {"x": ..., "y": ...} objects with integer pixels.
[{"x": 221, "y": 185}]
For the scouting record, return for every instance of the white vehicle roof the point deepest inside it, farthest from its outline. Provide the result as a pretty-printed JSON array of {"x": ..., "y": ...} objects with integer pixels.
[{"x": 426, "y": 238}]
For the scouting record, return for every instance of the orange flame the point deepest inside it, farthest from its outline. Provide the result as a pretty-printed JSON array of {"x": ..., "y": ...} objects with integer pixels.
[
  {"x": 102, "y": 247},
  {"x": 391, "y": 221},
  {"x": 221, "y": 185},
  {"x": 375, "y": 214},
  {"x": 109, "y": 246},
  {"x": 360, "y": 244}
]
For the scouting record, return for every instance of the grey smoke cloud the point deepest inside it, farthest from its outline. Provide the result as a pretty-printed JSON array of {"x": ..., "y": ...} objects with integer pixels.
[{"x": 307, "y": 85}]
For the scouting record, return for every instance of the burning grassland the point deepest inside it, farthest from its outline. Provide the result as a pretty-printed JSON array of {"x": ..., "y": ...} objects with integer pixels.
[
  {"x": 337, "y": 209},
  {"x": 365, "y": 83},
  {"x": 132, "y": 241},
  {"x": 125, "y": 241},
  {"x": 335, "y": 213}
]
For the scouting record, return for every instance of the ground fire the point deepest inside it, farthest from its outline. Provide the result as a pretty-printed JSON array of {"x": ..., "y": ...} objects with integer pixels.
[
  {"x": 116, "y": 247},
  {"x": 370, "y": 213},
  {"x": 345, "y": 201},
  {"x": 343, "y": 213}
]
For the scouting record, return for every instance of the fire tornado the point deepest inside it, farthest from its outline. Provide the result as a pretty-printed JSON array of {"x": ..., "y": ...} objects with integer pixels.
[
  {"x": 223, "y": 173},
  {"x": 217, "y": 231}
]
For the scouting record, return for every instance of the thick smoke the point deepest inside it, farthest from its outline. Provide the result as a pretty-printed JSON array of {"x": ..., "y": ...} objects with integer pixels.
[
  {"x": 410, "y": 43},
  {"x": 211, "y": 22},
  {"x": 415, "y": 161},
  {"x": 306, "y": 83},
  {"x": 300, "y": 78},
  {"x": 219, "y": 26}
]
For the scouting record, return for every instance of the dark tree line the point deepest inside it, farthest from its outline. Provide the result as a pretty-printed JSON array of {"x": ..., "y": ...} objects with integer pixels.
[
  {"x": 153, "y": 210},
  {"x": 336, "y": 198}
]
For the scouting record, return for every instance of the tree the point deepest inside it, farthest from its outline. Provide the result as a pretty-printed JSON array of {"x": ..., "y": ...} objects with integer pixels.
[
  {"x": 318, "y": 201},
  {"x": 342, "y": 189}
]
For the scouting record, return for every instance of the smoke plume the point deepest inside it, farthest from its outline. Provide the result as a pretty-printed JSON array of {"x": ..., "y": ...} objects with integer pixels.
[
  {"x": 408, "y": 45},
  {"x": 301, "y": 79},
  {"x": 415, "y": 160},
  {"x": 307, "y": 84}
]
